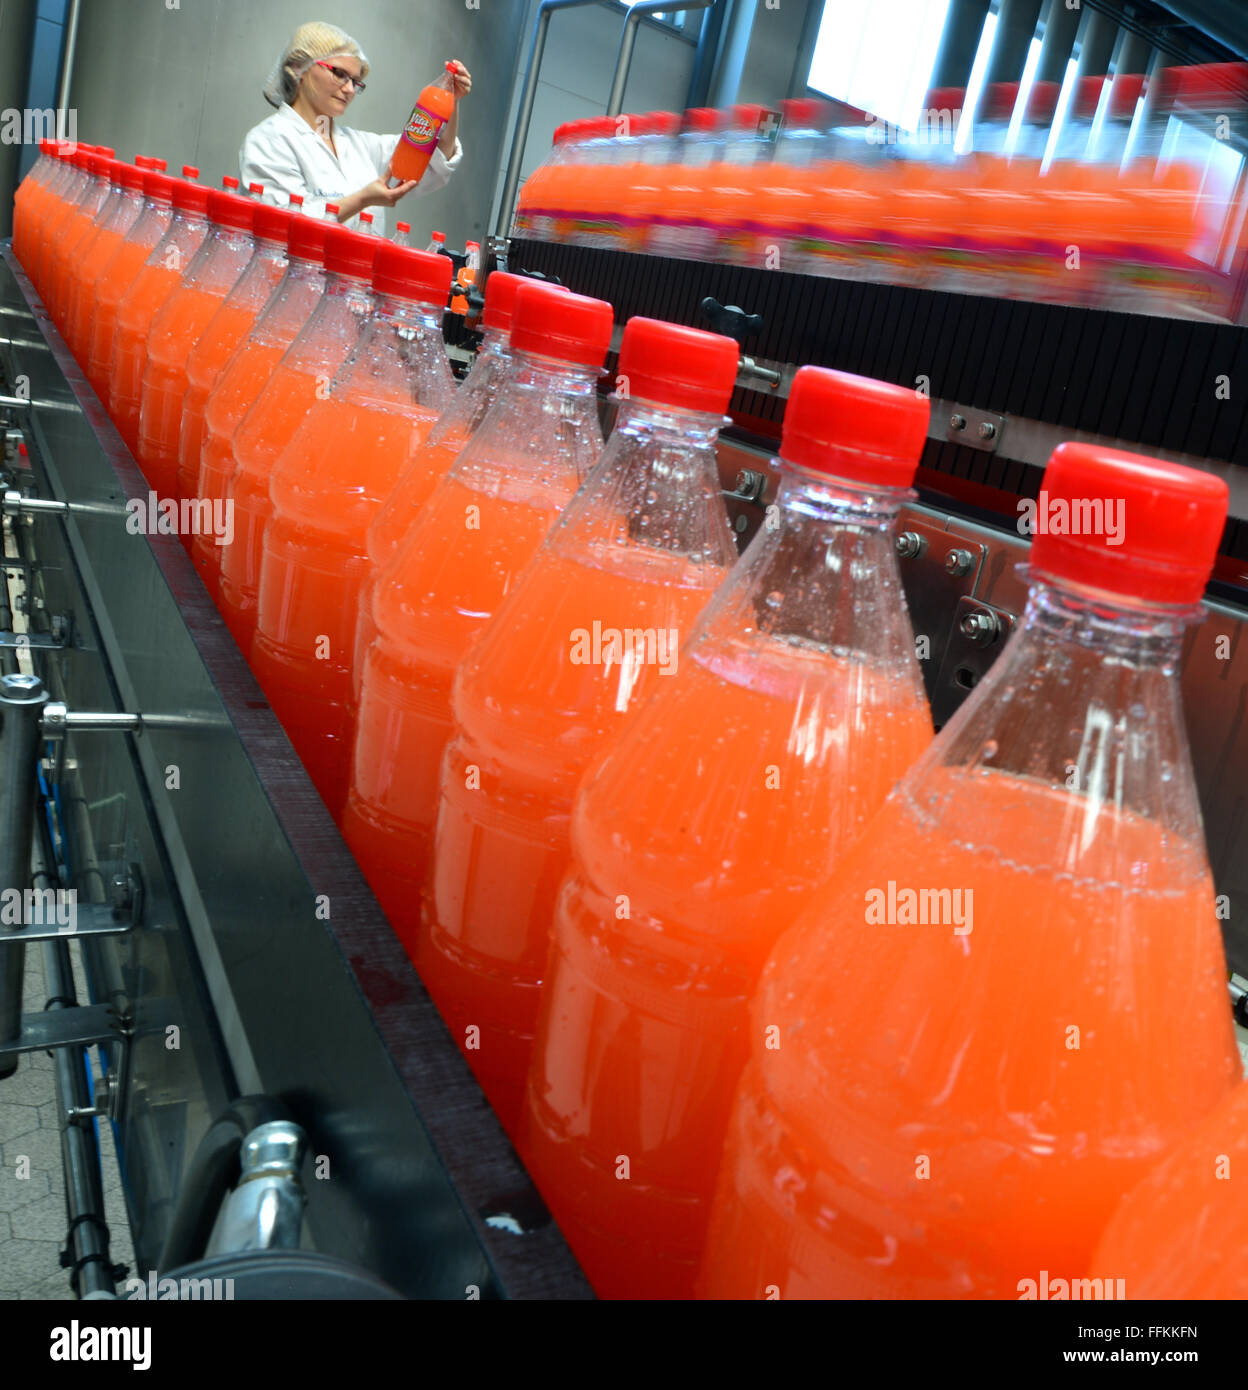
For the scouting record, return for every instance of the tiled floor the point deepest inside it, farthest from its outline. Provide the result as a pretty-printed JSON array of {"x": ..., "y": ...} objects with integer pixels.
[{"x": 32, "y": 1209}]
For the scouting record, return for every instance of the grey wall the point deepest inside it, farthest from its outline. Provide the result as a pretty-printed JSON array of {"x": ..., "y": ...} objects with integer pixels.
[
  {"x": 17, "y": 21},
  {"x": 767, "y": 74},
  {"x": 581, "y": 48},
  {"x": 184, "y": 83}
]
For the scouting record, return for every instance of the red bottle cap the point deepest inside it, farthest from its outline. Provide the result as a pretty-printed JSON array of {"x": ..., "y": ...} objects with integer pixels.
[
  {"x": 402, "y": 226},
  {"x": 150, "y": 162},
  {"x": 268, "y": 222},
  {"x": 1127, "y": 525},
  {"x": 553, "y": 323},
  {"x": 411, "y": 274},
  {"x": 663, "y": 123},
  {"x": 296, "y": 200},
  {"x": 97, "y": 165},
  {"x": 132, "y": 177},
  {"x": 158, "y": 186},
  {"x": 190, "y": 197},
  {"x": 189, "y": 171},
  {"x": 701, "y": 118},
  {"x": 229, "y": 210},
  {"x": 106, "y": 150},
  {"x": 854, "y": 427},
  {"x": 349, "y": 253},
  {"x": 256, "y": 188},
  {"x": 229, "y": 183},
  {"x": 306, "y": 238},
  {"x": 803, "y": 112},
  {"x": 500, "y": 298},
  {"x": 672, "y": 365}
]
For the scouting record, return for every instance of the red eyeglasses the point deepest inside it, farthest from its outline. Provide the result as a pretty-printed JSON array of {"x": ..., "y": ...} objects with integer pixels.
[{"x": 341, "y": 74}]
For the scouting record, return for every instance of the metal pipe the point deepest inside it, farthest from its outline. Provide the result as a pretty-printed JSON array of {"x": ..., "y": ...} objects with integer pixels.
[
  {"x": 67, "y": 65},
  {"x": 21, "y": 703},
  {"x": 628, "y": 39},
  {"x": 265, "y": 1210},
  {"x": 515, "y": 159}
]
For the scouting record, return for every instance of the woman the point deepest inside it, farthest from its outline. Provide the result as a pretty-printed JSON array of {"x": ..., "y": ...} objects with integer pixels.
[{"x": 302, "y": 149}]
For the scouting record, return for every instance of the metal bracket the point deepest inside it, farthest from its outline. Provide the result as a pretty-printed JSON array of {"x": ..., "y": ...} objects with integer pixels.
[
  {"x": 56, "y": 639},
  {"x": 82, "y": 1026},
  {"x": 977, "y": 429},
  {"x": 978, "y": 633}
]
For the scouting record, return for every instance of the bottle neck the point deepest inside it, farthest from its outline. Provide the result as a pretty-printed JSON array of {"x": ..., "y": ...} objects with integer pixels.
[
  {"x": 667, "y": 425},
  {"x": 554, "y": 375},
  {"x": 495, "y": 342},
  {"x": 823, "y": 497},
  {"x": 1063, "y": 615},
  {"x": 411, "y": 314}
]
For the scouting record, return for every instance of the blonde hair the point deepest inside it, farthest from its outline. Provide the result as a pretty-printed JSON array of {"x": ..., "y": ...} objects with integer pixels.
[{"x": 308, "y": 44}]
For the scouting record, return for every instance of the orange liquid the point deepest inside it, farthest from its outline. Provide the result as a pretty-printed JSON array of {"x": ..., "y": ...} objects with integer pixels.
[
  {"x": 82, "y": 296},
  {"x": 139, "y": 307},
  {"x": 232, "y": 397},
  {"x": 428, "y": 465},
  {"x": 111, "y": 287},
  {"x": 175, "y": 330},
  {"x": 326, "y": 488},
  {"x": 1181, "y": 1233},
  {"x": 643, "y": 1030},
  {"x": 56, "y": 217},
  {"x": 429, "y": 606},
  {"x": 65, "y": 262},
  {"x": 924, "y": 1127},
  {"x": 229, "y": 326},
  {"x": 529, "y": 714},
  {"x": 258, "y": 443}
]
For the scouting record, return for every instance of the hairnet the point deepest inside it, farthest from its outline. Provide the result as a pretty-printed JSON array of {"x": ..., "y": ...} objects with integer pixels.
[{"x": 308, "y": 43}]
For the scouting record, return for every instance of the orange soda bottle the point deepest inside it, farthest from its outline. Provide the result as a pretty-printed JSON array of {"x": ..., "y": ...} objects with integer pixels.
[
  {"x": 119, "y": 273},
  {"x": 231, "y": 323},
  {"x": 122, "y": 214},
  {"x": 57, "y": 212},
  {"x": 30, "y": 196},
  {"x": 301, "y": 377},
  {"x": 326, "y": 487},
  {"x": 1010, "y": 1000},
  {"x": 248, "y": 371},
  {"x": 432, "y": 459},
  {"x": 459, "y": 559},
  {"x": 434, "y": 107},
  {"x": 708, "y": 824},
  {"x": 1181, "y": 1232},
  {"x": 212, "y": 273},
  {"x": 160, "y": 275},
  {"x": 592, "y": 625},
  {"x": 65, "y": 255}
]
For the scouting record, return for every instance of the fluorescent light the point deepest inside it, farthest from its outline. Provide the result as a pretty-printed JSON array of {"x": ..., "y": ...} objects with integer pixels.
[
  {"x": 1024, "y": 96},
  {"x": 1064, "y": 98},
  {"x": 975, "y": 86}
]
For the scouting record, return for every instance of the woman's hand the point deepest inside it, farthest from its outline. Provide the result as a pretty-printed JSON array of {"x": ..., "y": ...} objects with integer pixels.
[
  {"x": 381, "y": 193},
  {"x": 462, "y": 79}
]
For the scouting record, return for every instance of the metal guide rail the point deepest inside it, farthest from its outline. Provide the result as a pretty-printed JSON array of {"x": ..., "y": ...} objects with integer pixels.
[{"x": 241, "y": 975}]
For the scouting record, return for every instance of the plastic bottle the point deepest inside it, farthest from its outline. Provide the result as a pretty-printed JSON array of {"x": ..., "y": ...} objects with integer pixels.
[
  {"x": 554, "y": 676},
  {"x": 532, "y": 218},
  {"x": 437, "y": 243},
  {"x": 365, "y": 220},
  {"x": 211, "y": 275},
  {"x": 434, "y": 107},
  {"x": 1010, "y": 1000},
  {"x": 29, "y": 196},
  {"x": 706, "y": 827},
  {"x": 248, "y": 371},
  {"x": 255, "y": 190},
  {"x": 119, "y": 274},
  {"x": 57, "y": 214},
  {"x": 229, "y": 182},
  {"x": 465, "y": 276},
  {"x": 402, "y": 234},
  {"x": 1180, "y": 1234},
  {"x": 430, "y": 463},
  {"x": 120, "y": 214},
  {"x": 231, "y": 323},
  {"x": 161, "y": 274},
  {"x": 65, "y": 256},
  {"x": 326, "y": 487},
  {"x": 301, "y": 377},
  {"x": 678, "y": 224},
  {"x": 480, "y": 526}
]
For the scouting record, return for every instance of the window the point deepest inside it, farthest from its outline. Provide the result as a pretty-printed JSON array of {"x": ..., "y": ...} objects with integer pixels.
[{"x": 879, "y": 56}]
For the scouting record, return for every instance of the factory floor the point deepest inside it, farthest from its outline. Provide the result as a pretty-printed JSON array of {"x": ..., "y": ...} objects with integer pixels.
[{"x": 32, "y": 1209}]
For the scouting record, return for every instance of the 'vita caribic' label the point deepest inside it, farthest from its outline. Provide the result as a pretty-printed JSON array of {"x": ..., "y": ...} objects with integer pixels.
[{"x": 423, "y": 129}]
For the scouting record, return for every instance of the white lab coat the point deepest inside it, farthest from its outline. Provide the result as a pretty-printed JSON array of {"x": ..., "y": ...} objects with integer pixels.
[{"x": 286, "y": 155}]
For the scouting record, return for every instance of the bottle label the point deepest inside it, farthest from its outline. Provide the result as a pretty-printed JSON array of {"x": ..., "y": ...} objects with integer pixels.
[{"x": 423, "y": 129}]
